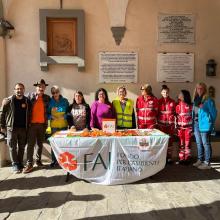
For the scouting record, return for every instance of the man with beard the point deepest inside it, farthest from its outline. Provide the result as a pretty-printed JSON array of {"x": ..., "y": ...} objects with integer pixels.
[
  {"x": 38, "y": 124},
  {"x": 14, "y": 115}
]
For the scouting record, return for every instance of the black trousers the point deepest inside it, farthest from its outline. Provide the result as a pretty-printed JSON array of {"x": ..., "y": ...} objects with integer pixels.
[
  {"x": 16, "y": 141},
  {"x": 36, "y": 135}
]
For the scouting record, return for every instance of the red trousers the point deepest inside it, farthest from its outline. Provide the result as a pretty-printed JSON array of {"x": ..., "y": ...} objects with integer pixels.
[
  {"x": 147, "y": 126},
  {"x": 168, "y": 129},
  {"x": 185, "y": 135}
]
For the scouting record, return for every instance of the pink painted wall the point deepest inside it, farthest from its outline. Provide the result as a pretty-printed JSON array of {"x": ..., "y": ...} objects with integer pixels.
[{"x": 22, "y": 51}]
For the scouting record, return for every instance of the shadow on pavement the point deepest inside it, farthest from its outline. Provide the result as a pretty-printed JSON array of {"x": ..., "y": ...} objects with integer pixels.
[
  {"x": 29, "y": 183},
  {"x": 181, "y": 173},
  {"x": 43, "y": 200},
  {"x": 207, "y": 211}
]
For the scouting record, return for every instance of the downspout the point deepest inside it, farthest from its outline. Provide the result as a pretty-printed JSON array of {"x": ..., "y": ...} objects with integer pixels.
[
  {"x": 2, "y": 60},
  {"x": 1, "y": 9},
  {"x": 3, "y": 149}
]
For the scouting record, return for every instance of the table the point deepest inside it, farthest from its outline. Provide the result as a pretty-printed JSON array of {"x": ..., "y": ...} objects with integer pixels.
[{"x": 112, "y": 160}]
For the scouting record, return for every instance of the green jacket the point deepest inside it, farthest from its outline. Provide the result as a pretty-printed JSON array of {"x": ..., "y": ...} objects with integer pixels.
[{"x": 7, "y": 112}]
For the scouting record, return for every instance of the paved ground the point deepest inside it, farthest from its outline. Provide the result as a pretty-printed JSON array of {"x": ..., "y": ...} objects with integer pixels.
[{"x": 177, "y": 192}]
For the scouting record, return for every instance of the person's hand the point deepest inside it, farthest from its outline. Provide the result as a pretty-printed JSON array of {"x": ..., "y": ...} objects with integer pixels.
[
  {"x": 3, "y": 130},
  {"x": 73, "y": 128},
  {"x": 95, "y": 129},
  {"x": 85, "y": 130}
]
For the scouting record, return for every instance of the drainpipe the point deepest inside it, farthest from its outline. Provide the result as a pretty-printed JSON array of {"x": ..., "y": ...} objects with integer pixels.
[
  {"x": 2, "y": 61},
  {"x": 3, "y": 152},
  {"x": 1, "y": 9}
]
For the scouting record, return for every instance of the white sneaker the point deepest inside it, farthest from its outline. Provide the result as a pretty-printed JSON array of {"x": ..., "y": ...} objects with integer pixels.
[
  {"x": 204, "y": 166},
  {"x": 197, "y": 163}
]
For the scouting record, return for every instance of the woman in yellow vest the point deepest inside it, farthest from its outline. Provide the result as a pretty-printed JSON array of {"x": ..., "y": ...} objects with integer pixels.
[{"x": 124, "y": 109}]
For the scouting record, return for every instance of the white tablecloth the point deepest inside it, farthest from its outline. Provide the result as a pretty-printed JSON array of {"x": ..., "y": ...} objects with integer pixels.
[{"x": 112, "y": 160}]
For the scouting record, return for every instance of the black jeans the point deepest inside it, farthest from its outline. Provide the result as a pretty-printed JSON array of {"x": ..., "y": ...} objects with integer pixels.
[
  {"x": 16, "y": 141},
  {"x": 36, "y": 134}
]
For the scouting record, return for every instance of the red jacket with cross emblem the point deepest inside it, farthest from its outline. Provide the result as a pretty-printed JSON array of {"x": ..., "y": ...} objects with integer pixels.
[
  {"x": 147, "y": 110},
  {"x": 184, "y": 114},
  {"x": 166, "y": 111}
]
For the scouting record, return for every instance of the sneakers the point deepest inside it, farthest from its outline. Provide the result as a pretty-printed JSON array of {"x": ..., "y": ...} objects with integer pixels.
[
  {"x": 197, "y": 163},
  {"x": 39, "y": 164},
  {"x": 28, "y": 168},
  {"x": 16, "y": 169},
  {"x": 204, "y": 166}
]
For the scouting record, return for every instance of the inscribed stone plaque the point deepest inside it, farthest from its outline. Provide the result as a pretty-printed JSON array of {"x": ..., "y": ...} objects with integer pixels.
[
  {"x": 118, "y": 67},
  {"x": 175, "y": 67},
  {"x": 176, "y": 29}
]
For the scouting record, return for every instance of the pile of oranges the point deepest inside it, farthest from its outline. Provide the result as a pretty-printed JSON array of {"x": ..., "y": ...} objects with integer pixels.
[{"x": 99, "y": 133}]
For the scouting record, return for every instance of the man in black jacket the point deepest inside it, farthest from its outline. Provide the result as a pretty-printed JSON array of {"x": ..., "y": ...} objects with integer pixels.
[
  {"x": 38, "y": 125},
  {"x": 14, "y": 120}
]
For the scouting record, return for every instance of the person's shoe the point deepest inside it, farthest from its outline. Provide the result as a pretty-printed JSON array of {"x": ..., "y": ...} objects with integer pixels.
[
  {"x": 197, "y": 163},
  {"x": 15, "y": 169},
  {"x": 204, "y": 166},
  {"x": 187, "y": 162},
  {"x": 169, "y": 161},
  {"x": 20, "y": 166},
  {"x": 53, "y": 164},
  {"x": 181, "y": 162},
  {"x": 28, "y": 168},
  {"x": 39, "y": 164}
]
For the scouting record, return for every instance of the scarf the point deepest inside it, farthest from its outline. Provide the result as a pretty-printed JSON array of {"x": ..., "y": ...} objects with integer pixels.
[{"x": 198, "y": 101}]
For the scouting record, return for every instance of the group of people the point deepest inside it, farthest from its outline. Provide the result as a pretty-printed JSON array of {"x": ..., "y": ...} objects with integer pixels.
[{"x": 26, "y": 119}]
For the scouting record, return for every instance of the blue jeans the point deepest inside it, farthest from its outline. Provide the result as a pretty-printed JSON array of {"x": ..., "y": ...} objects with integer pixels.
[{"x": 204, "y": 149}]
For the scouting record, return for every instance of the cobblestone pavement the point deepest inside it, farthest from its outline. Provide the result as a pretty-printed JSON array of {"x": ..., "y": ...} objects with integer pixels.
[{"x": 177, "y": 192}]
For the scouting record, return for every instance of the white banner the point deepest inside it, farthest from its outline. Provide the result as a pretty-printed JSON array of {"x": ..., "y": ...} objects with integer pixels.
[
  {"x": 111, "y": 160},
  {"x": 118, "y": 67}
]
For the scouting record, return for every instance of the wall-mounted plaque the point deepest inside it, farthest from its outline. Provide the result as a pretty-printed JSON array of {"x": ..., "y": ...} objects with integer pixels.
[
  {"x": 176, "y": 28},
  {"x": 62, "y": 37},
  {"x": 175, "y": 67},
  {"x": 118, "y": 67}
]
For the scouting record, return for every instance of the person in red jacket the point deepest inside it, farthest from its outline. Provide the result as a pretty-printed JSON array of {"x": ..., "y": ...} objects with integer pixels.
[
  {"x": 184, "y": 125},
  {"x": 166, "y": 118},
  {"x": 147, "y": 108}
]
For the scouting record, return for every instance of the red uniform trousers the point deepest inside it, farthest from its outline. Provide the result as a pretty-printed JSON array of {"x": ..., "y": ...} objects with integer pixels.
[
  {"x": 168, "y": 129},
  {"x": 147, "y": 126},
  {"x": 184, "y": 135}
]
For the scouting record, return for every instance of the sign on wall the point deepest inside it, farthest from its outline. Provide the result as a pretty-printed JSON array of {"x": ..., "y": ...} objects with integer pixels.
[
  {"x": 118, "y": 67},
  {"x": 176, "y": 29},
  {"x": 175, "y": 67}
]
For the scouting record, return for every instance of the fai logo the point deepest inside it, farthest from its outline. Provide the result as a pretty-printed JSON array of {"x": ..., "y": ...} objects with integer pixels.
[
  {"x": 144, "y": 145},
  {"x": 67, "y": 161}
]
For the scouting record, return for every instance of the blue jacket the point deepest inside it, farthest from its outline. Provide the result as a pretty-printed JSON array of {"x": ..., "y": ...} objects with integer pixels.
[
  {"x": 61, "y": 106},
  {"x": 206, "y": 115}
]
